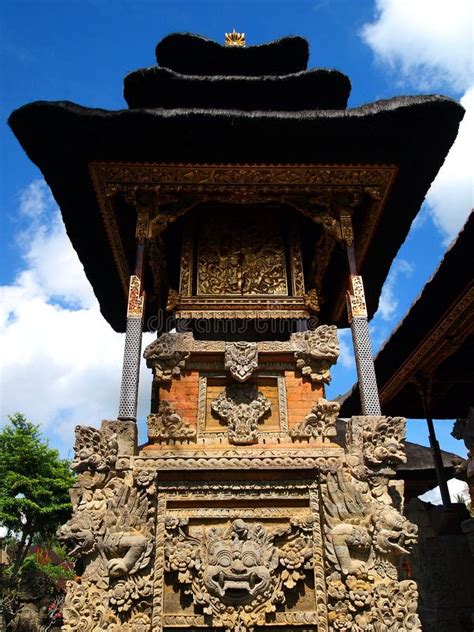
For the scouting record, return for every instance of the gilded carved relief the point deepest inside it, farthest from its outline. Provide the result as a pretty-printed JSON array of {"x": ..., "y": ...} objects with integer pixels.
[
  {"x": 179, "y": 188},
  {"x": 241, "y": 255},
  {"x": 242, "y": 265}
]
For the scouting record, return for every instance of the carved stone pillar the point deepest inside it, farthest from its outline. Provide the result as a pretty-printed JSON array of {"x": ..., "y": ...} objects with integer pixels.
[
  {"x": 357, "y": 313},
  {"x": 133, "y": 336}
]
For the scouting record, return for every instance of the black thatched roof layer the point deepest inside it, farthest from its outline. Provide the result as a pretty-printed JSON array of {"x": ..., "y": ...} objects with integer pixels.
[
  {"x": 447, "y": 294},
  {"x": 307, "y": 90},
  {"x": 195, "y": 55},
  {"x": 62, "y": 139}
]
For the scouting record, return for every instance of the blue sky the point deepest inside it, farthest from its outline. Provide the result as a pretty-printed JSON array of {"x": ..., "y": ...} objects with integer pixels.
[{"x": 61, "y": 362}]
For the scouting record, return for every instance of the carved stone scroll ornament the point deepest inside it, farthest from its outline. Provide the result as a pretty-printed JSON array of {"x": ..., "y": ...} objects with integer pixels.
[
  {"x": 241, "y": 359},
  {"x": 320, "y": 424},
  {"x": 241, "y": 407},
  {"x": 375, "y": 448},
  {"x": 94, "y": 449},
  {"x": 238, "y": 573},
  {"x": 365, "y": 539},
  {"x": 111, "y": 533},
  {"x": 166, "y": 425},
  {"x": 164, "y": 358},
  {"x": 316, "y": 352}
]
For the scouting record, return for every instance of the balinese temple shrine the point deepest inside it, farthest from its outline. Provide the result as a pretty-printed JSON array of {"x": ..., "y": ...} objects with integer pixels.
[{"x": 239, "y": 209}]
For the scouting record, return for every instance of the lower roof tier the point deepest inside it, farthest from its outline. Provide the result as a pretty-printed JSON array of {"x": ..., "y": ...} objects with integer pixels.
[{"x": 411, "y": 134}]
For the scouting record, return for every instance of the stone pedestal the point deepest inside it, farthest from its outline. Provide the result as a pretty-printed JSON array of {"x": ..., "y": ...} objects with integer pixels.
[{"x": 240, "y": 514}]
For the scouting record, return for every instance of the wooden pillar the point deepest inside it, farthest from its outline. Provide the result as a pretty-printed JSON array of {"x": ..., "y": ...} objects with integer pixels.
[
  {"x": 424, "y": 386},
  {"x": 357, "y": 315}
]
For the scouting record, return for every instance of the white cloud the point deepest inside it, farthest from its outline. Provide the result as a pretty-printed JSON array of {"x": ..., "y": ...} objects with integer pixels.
[
  {"x": 388, "y": 298},
  {"x": 428, "y": 45},
  {"x": 457, "y": 490},
  {"x": 428, "y": 41},
  {"x": 346, "y": 356},
  {"x": 451, "y": 196},
  {"x": 61, "y": 362},
  {"x": 47, "y": 250}
]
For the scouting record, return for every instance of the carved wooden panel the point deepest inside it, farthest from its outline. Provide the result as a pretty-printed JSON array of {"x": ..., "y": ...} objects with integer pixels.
[
  {"x": 241, "y": 263},
  {"x": 242, "y": 253}
]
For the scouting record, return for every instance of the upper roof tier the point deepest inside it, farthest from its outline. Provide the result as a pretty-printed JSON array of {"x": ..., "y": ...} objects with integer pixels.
[
  {"x": 195, "y": 55},
  {"x": 403, "y": 141},
  {"x": 198, "y": 73}
]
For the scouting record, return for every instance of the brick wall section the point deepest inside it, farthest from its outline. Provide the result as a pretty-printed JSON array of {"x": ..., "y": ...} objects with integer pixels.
[
  {"x": 301, "y": 395},
  {"x": 183, "y": 394}
]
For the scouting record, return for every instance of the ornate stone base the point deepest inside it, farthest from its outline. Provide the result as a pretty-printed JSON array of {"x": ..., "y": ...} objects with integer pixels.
[
  {"x": 240, "y": 514},
  {"x": 310, "y": 542}
]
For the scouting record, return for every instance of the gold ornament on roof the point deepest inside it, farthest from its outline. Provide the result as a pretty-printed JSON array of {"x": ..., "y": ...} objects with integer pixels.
[{"x": 235, "y": 39}]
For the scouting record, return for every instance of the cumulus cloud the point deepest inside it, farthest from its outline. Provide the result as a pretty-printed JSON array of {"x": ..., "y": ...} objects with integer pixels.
[
  {"x": 388, "y": 299},
  {"x": 428, "y": 45},
  {"x": 346, "y": 356},
  {"x": 429, "y": 42},
  {"x": 451, "y": 196},
  {"x": 61, "y": 362}
]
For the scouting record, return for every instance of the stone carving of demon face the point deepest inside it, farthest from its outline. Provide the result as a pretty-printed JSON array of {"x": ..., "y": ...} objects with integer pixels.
[{"x": 239, "y": 563}]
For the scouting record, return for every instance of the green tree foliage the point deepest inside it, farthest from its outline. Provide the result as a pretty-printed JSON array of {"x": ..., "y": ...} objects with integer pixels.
[{"x": 34, "y": 484}]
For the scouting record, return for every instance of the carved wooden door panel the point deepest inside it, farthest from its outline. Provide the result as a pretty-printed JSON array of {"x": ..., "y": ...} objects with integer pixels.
[{"x": 241, "y": 254}]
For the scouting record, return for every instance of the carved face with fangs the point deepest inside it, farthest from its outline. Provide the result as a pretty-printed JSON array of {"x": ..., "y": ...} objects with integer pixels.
[{"x": 239, "y": 565}]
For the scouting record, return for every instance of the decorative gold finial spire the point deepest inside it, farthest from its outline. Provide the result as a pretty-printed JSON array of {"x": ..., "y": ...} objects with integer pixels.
[{"x": 235, "y": 39}]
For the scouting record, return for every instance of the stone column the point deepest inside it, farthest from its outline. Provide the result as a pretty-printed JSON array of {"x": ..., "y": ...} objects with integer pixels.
[
  {"x": 357, "y": 314},
  {"x": 133, "y": 336}
]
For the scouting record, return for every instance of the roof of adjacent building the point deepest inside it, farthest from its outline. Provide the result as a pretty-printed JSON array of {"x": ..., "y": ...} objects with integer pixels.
[{"x": 434, "y": 341}]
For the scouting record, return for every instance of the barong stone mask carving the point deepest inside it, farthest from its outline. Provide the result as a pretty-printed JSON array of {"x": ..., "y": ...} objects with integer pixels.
[
  {"x": 240, "y": 572},
  {"x": 164, "y": 359},
  {"x": 318, "y": 350},
  {"x": 239, "y": 563}
]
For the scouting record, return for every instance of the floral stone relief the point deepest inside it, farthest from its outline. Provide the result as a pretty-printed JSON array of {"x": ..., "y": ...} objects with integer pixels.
[{"x": 241, "y": 407}]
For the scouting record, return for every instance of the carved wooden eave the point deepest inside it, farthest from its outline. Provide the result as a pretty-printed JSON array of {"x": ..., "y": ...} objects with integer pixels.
[
  {"x": 441, "y": 342},
  {"x": 319, "y": 192}
]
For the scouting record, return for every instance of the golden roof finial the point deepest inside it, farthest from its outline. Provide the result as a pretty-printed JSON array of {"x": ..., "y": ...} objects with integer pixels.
[{"x": 235, "y": 39}]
